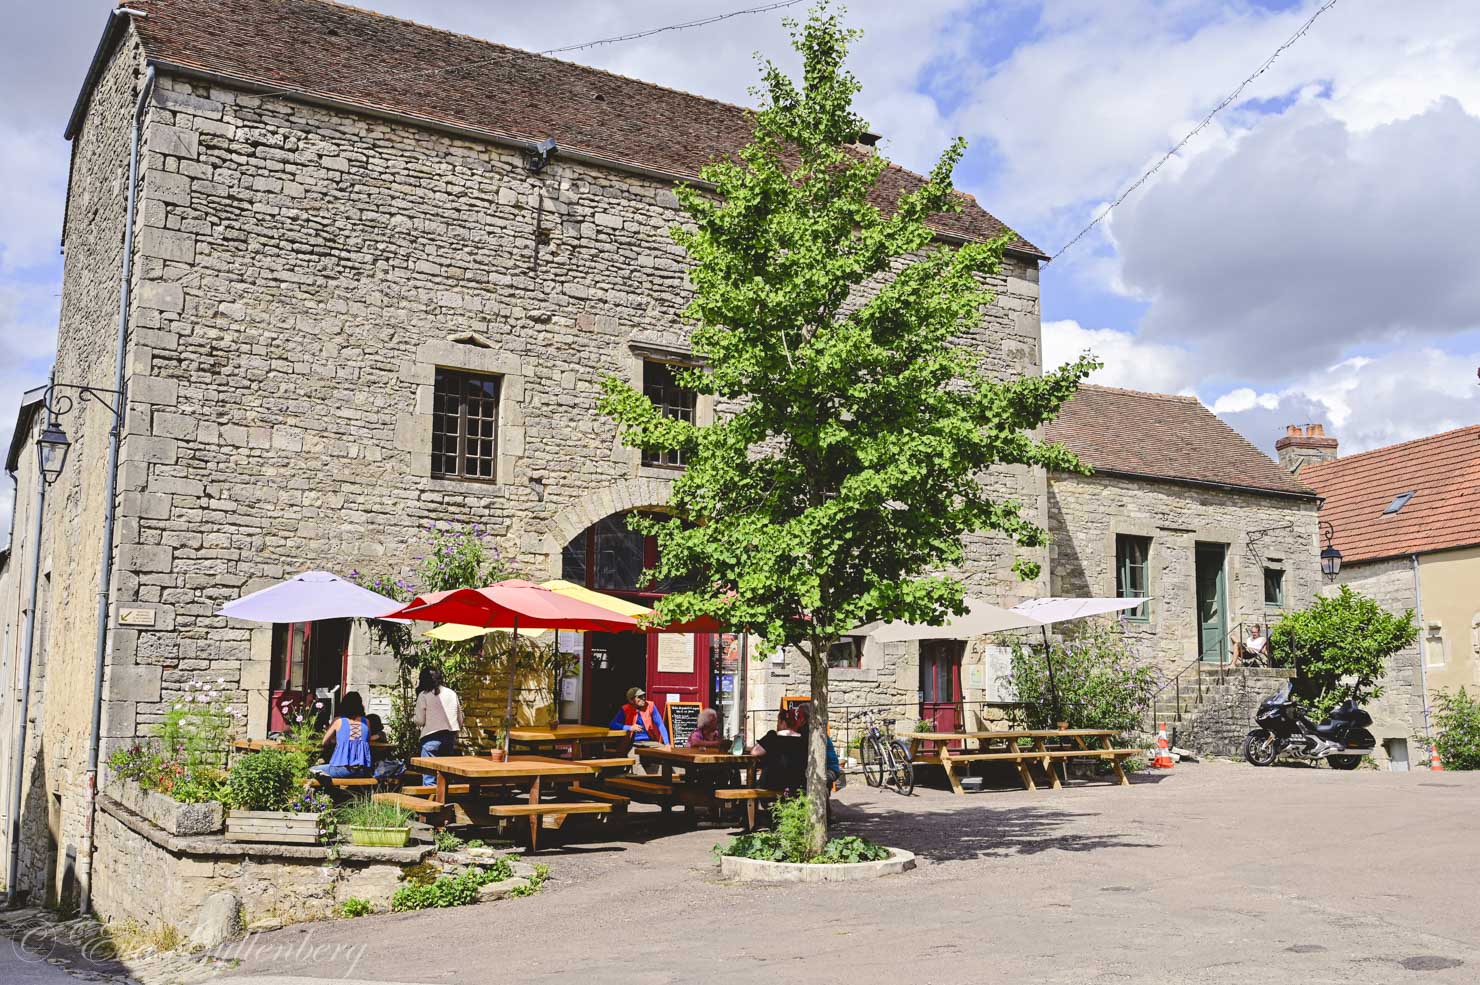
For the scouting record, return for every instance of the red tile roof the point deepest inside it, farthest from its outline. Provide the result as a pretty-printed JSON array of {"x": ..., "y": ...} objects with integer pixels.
[
  {"x": 1442, "y": 472},
  {"x": 323, "y": 49},
  {"x": 1163, "y": 436}
]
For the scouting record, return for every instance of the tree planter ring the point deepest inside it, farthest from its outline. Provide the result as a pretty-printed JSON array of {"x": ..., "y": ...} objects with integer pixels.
[
  {"x": 379, "y": 837},
  {"x": 757, "y": 870}
]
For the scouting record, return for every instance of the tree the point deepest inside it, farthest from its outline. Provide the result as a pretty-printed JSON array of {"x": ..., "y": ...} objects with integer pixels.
[
  {"x": 1344, "y": 636},
  {"x": 851, "y": 456}
]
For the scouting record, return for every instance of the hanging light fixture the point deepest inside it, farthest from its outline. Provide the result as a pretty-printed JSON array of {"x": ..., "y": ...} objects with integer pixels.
[
  {"x": 1330, "y": 556},
  {"x": 53, "y": 445}
]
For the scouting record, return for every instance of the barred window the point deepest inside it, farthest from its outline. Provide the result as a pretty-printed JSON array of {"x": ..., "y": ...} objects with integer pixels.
[
  {"x": 1132, "y": 576},
  {"x": 672, "y": 400},
  {"x": 464, "y": 425}
]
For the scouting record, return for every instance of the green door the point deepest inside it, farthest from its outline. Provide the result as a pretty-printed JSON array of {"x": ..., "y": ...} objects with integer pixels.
[{"x": 1212, "y": 603}]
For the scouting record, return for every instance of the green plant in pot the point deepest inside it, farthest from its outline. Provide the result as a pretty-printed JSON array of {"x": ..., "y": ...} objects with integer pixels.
[{"x": 375, "y": 825}]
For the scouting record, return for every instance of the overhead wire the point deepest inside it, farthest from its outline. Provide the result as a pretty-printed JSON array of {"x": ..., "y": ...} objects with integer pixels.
[{"x": 1202, "y": 124}]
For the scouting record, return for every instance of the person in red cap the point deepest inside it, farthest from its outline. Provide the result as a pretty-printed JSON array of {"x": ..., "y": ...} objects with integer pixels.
[{"x": 640, "y": 717}]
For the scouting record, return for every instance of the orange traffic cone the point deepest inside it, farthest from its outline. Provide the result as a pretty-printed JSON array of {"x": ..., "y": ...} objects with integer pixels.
[
  {"x": 1163, "y": 760},
  {"x": 1435, "y": 763}
]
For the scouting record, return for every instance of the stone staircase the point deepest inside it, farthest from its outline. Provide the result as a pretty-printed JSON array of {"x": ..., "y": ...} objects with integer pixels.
[{"x": 1209, "y": 709}]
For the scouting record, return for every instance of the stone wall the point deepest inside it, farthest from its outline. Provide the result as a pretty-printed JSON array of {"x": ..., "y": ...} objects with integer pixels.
[
  {"x": 1218, "y": 725},
  {"x": 1087, "y": 512},
  {"x": 1399, "y": 712}
]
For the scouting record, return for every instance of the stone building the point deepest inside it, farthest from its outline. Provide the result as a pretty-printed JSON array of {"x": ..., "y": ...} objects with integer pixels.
[
  {"x": 364, "y": 298},
  {"x": 1406, "y": 519}
]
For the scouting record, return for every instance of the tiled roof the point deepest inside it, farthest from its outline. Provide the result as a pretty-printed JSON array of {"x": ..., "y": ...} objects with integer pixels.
[
  {"x": 1163, "y": 436},
  {"x": 369, "y": 60},
  {"x": 1442, "y": 472}
]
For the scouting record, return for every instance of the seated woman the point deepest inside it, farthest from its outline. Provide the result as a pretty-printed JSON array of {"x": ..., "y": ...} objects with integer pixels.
[
  {"x": 707, "y": 736},
  {"x": 347, "y": 742},
  {"x": 783, "y": 754}
]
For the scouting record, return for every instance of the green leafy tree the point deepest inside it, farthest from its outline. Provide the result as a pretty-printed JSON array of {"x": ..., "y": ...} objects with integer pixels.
[
  {"x": 1340, "y": 646},
  {"x": 850, "y": 460},
  {"x": 1457, "y": 730},
  {"x": 1100, "y": 682}
]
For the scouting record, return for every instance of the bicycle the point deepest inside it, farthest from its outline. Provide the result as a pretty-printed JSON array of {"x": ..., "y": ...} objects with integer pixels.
[{"x": 886, "y": 760}]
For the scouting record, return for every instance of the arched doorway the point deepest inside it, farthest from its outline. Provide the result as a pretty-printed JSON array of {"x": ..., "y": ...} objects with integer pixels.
[{"x": 609, "y": 556}]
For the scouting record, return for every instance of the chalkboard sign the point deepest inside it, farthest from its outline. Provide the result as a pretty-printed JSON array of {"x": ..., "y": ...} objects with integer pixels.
[{"x": 683, "y": 718}]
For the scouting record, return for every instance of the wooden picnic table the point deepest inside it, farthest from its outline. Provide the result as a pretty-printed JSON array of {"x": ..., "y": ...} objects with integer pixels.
[
  {"x": 668, "y": 757},
  {"x": 517, "y": 771},
  {"x": 580, "y": 737},
  {"x": 1048, "y": 745}
]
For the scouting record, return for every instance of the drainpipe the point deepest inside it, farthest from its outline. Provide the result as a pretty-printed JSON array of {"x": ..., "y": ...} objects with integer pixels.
[
  {"x": 1423, "y": 654},
  {"x": 105, "y": 572},
  {"x": 18, "y": 774}
]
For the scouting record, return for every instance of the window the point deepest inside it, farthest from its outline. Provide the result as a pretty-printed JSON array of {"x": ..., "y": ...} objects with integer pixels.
[
  {"x": 1399, "y": 501},
  {"x": 464, "y": 425},
  {"x": 1274, "y": 588},
  {"x": 1132, "y": 573},
  {"x": 846, "y": 652},
  {"x": 672, "y": 400}
]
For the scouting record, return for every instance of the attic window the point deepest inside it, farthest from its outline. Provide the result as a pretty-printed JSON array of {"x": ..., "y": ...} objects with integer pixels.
[{"x": 1399, "y": 501}]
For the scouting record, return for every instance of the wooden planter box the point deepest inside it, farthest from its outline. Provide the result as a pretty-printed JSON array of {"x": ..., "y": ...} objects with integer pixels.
[{"x": 283, "y": 827}]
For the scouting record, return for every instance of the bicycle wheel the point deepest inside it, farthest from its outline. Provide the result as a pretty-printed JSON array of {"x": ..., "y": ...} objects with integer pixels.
[
  {"x": 904, "y": 770},
  {"x": 872, "y": 754}
]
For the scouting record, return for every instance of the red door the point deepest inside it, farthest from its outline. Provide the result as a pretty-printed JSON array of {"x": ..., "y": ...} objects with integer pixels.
[
  {"x": 678, "y": 668},
  {"x": 940, "y": 683}
]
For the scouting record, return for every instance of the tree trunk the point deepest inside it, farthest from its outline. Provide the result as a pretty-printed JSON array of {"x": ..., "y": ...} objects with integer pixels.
[{"x": 817, "y": 785}]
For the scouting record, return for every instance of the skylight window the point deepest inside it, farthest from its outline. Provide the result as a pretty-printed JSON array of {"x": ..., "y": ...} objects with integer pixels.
[{"x": 1399, "y": 501}]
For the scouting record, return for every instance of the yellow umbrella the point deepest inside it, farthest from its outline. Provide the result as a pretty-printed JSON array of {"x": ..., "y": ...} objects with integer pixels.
[{"x": 450, "y": 632}]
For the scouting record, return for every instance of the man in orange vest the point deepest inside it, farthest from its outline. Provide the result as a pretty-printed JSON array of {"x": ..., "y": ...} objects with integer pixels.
[{"x": 640, "y": 717}]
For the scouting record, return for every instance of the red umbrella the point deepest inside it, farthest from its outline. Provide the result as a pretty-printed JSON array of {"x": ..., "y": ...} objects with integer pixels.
[{"x": 509, "y": 605}]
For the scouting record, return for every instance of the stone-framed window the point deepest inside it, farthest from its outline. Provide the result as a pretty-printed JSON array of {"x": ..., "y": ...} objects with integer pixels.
[
  {"x": 660, "y": 385},
  {"x": 1133, "y": 573},
  {"x": 846, "y": 653},
  {"x": 1274, "y": 588},
  {"x": 421, "y": 430},
  {"x": 465, "y": 424}
]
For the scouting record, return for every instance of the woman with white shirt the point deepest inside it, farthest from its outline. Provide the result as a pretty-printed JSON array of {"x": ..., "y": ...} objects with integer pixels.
[{"x": 438, "y": 715}]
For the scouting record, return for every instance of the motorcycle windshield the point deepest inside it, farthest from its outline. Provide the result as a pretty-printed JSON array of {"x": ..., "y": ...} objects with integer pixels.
[{"x": 1283, "y": 694}]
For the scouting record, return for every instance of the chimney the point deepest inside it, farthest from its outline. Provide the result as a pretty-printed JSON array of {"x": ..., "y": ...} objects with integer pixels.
[{"x": 1304, "y": 446}]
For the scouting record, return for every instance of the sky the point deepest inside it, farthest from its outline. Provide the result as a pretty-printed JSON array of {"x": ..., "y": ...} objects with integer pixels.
[{"x": 1306, "y": 258}]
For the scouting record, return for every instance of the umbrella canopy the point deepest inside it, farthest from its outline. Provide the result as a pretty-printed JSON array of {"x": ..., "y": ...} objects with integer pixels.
[
  {"x": 980, "y": 619},
  {"x": 309, "y": 596},
  {"x": 454, "y": 633},
  {"x": 1051, "y": 610},
  {"x": 514, "y": 604}
]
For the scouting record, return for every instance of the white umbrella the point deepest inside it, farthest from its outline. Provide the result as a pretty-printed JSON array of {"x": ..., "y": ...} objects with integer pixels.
[
  {"x": 309, "y": 596},
  {"x": 1054, "y": 609},
  {"x": 980, "y": 619}
]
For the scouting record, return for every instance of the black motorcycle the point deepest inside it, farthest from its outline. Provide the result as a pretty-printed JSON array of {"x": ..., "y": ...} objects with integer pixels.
[{"x": 1342, "y": 739}]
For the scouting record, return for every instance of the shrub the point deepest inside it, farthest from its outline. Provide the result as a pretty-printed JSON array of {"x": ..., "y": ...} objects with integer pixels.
[
  {"x": 356, "y": 907},
  {"x": 1100, "y": 683},
  {"x": 788, "y": 841},
  {"x": 186, "y": 757},
  {"x": 446, "y": 841},
  {"x": 364, "y": 812},
  {"x": 1344, "y": 636},
  {"x": 458, "y": 890},
  {"x": 1457, "y": 730},
  {"x": 262, "y": 781}
]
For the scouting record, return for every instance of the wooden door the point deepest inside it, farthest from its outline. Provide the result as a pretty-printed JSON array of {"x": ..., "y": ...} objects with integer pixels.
[
  {"x": 1212, "y": 603},
  {"x": 940, "y": 683},
  {"x": 678, "y": 668}
]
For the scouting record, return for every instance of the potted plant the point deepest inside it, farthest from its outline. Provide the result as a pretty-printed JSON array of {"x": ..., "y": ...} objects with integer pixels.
[
  {"x": 268, "y": 805},
  {"x": 375, "y": 825}
]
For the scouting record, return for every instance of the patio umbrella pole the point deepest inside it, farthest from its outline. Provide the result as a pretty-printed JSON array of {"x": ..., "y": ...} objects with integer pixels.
[
  {"x": 1053, "y": 688},
  {"x": 513, "y": 665}
]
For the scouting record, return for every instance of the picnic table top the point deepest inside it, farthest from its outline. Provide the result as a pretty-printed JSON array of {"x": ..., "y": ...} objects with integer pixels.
[
  {"x": 560, "y": 733},
  {"x": 481, "y": 767},
  {"x": 1042, "y": 733},
  {"x": 683, "y": 756}
]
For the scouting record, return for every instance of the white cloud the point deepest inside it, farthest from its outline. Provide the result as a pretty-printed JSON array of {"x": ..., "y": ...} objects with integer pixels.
[{"x": 1128, "y": 361}]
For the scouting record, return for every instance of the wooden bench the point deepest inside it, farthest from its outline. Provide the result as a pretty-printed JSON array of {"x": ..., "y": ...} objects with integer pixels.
[
  {"x": 595, "y": 793},
  {"x": 633, "y": 785},
  {"x": 422, "y": 790},
  {"x": 613, "y": 763},
  {"x": 324, "y": 782},
  {"x": 429, "y": 810},
  {"x": 537, "y": 812},
  {"x": 753, "y": 797}
]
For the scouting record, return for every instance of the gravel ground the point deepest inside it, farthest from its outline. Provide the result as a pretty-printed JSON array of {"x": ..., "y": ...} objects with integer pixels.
[{"x": 1212, "y": 873}]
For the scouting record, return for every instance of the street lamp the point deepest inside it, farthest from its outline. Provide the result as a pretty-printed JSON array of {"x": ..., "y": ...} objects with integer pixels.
[
  {"x": 1330, "y": 556},
  {"x": 53, "y": 445}
]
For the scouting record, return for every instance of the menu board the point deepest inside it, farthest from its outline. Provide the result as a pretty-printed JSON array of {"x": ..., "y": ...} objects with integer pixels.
[{"x": 683, "y": 718}]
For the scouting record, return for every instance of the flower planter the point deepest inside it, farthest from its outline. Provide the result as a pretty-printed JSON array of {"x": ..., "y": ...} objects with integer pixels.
[
  {"x": 379, "y": 837},
  {"x": 166, "y": 812},
  {"x": 283, "y": 827},
  {"x": 756, "y": 870}
]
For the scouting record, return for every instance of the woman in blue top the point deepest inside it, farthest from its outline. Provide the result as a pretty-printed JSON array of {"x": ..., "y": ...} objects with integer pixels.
[{"x": 348, "y": 737}]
